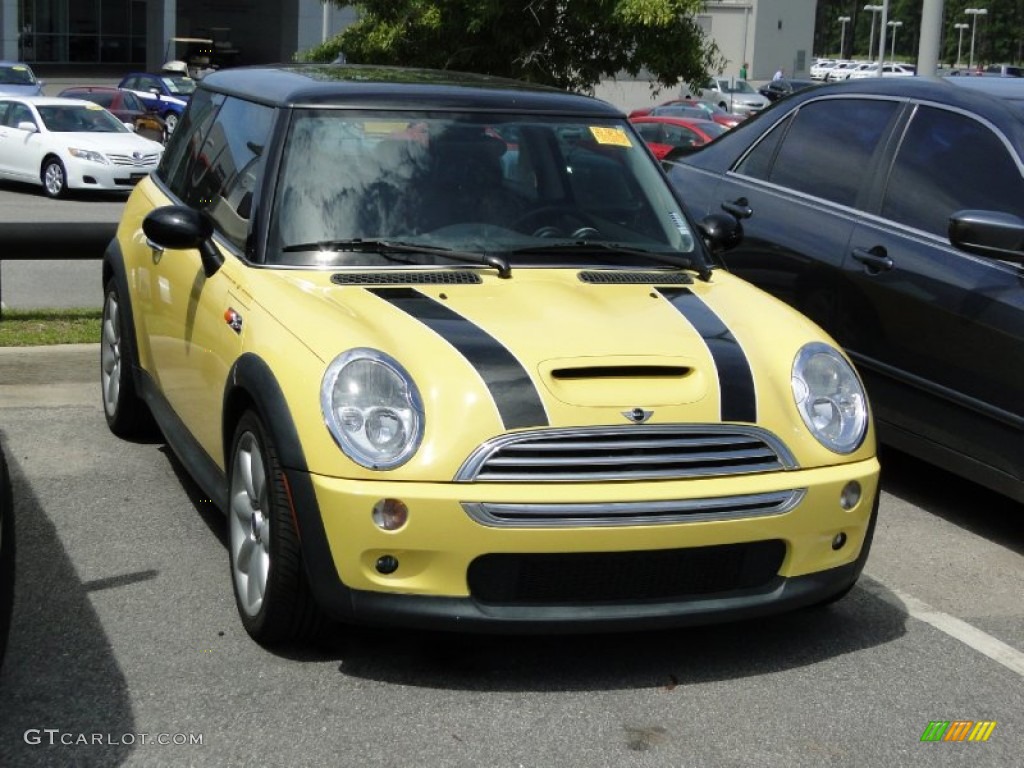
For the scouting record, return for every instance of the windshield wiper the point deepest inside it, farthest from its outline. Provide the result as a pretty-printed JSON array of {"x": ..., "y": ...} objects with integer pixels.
[
  {"x": 683, "y": 262},
  {"x": 383, "y": 247}
]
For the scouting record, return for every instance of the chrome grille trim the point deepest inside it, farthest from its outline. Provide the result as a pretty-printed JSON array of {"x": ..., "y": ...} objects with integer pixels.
[
  {"x": 128, "y": 160},
  {"x": 630, "y": 452},
  {"x": 633, "y": 513}
]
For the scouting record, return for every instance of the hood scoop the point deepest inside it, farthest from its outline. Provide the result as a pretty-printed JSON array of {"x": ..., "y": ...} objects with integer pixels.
[
  {"x": 626, "y": 381},
  {"x": 615, "y": 277},
  {"x": 407, "y": 277}
]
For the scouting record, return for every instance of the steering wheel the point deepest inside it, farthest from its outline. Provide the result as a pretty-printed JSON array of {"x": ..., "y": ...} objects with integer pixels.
[{"x": 536, "y": 219}]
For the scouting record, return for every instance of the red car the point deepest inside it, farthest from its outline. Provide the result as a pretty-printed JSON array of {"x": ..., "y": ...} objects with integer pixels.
[
  {"x": 126, "y": 107},
  {"x": 690, "y": 108},
  {"x": 664, "y": 134}
]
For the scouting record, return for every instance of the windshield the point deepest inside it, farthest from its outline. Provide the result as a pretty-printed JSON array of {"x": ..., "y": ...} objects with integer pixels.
[
  {"x": 16, "y": 75},
  {"x": 87, "y": 118},
  {"x": 180, "y": 85},
  {"x": 531, "y": 189}
]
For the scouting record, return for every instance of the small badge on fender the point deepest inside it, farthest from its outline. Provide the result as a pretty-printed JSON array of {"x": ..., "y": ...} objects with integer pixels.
[
  {"x": 233, "y": 319},
  {"x": 638, "y": 415}
]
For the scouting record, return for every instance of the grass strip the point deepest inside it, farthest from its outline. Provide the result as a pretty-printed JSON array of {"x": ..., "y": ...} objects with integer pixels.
[{"x": 44, "y": 327}]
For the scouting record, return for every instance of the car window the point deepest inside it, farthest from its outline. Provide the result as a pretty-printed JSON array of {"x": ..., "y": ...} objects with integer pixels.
[
  {"x": 834, "y": 169},
  {"x": 130, "y": 101},
  {"x": 220, "y": 162},
  {"x": 649, "y": 131},
  {"x": 757, "y": 163},
  {"x": 19, "y": 113},
  {"x": 947, "y": 162},
  {"x": 679, "y": 136},
  {"x": 494, "y": 182},
  {"x": 16, "y": 75},
  {"x": 186, "y": 144}
]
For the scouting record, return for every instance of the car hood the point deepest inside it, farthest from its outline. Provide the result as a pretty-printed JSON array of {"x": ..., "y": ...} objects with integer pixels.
[
  {"x": 558, "y": 348},
  {"x": 33, "y": 89},
  {"x": 110, "y": 143}
]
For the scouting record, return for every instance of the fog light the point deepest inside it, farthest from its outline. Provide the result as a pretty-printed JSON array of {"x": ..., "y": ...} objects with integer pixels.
[
  {"x": 850, "y": 496},
  {"x": 387, "y": 564},
  {"x": 837, "y": 542},
  {"x": 390, "y": 514}
]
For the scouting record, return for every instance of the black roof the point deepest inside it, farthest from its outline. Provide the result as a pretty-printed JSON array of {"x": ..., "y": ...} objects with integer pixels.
[{"x": 397, "y": 88}]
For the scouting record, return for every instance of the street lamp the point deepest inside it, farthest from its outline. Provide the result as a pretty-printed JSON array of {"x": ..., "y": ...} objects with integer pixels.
[
  {"x": 875, "y": 10},
  {"x": 844, "y": 20},
  {"x": 974, "y": 13},
  {"x": 960, "y": 43},
  {"x": 895, "y": 25}
]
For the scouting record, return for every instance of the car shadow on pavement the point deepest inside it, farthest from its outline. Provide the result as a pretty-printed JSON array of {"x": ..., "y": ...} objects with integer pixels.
[
  {"x": 60, "y": 681},
  {"x": 965, "y": 504}
]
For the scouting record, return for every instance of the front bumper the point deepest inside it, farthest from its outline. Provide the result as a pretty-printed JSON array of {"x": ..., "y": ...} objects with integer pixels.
[
  {"x": 455, "y": 572},
  {"x": 86, "y": 175}
]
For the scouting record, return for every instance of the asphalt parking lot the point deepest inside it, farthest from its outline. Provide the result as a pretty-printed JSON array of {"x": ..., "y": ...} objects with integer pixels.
[{"x": 125, "y": 633}]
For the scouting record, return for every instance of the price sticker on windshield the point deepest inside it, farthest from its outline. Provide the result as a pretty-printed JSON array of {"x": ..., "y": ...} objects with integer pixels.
[{"x": 612, "y": 136}]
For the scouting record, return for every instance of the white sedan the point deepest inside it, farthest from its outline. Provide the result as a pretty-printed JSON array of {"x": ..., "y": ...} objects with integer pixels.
[{"x": 63, "y": 144}]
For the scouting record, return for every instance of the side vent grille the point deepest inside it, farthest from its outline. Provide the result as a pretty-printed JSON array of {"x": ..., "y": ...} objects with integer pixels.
[
  {"x": 612, "y": 277},
  {"x": 459, "y": 277}
]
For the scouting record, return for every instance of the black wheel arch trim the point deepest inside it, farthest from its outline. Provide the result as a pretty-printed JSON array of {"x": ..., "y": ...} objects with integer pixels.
[{"x": 113, "y": 267}]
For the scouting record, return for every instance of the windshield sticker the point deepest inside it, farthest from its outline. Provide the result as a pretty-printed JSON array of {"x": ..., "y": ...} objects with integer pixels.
[
  {"x": 680, "y": 224},
  {"x": 93, "y": 106},
  {"x": 612, "y": 136}
]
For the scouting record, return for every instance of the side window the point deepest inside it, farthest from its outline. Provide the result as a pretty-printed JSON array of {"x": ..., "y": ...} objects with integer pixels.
[
  {"x": 20, "y": 114},
  {"x": 807, "y": 160},
  {"x": 131, "y": 82},
  {"x": 229, "y": 166},
  {"x": 649, "y": 131},
  {"x": 186, "y": 143},
  {"x": 757, "y": 163},
  {"x": 947, "y": 162}
]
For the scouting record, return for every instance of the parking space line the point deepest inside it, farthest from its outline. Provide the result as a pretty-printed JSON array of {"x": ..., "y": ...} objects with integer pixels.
[{"x": 956, "y": 628}]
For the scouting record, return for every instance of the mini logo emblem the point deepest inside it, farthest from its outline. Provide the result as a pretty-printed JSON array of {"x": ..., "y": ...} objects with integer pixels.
[{"x": 638, "y": 415}]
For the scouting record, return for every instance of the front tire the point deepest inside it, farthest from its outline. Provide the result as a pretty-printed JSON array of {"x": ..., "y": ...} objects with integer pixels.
[
  {"x": 127, "y": 414},
  {"x": 271, "y": 590},
  {"x": 54, "y": 178}
]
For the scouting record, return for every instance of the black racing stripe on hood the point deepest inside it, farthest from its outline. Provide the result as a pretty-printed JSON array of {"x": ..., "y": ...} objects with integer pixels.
[
  {"x": 511, "y": 388},
  {"x": 735, "y": 379}
]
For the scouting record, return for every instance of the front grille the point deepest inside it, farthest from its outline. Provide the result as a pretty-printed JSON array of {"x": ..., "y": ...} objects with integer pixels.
[
  {"x": 128, "y": 160},
  {"x": 630, "y": 452},
  {"x": 407, "y": 277},
  {"x": 589, "y": 578},
  {"x": 613, "y": 513}
]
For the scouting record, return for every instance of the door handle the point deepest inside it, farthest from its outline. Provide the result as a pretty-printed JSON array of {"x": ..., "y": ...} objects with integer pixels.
[
  {"x": 740, "y": 208},
  {"x": 876, "y": 260}
]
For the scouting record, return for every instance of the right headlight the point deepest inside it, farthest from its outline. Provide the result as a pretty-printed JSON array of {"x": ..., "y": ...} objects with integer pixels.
[
  {"x": 830, "y": 397},
  {"x": 372, "y": 408}
]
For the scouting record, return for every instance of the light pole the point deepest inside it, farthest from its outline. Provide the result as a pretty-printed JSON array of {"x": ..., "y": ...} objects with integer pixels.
[
  {"x": 875, "y": 9},
  {"x": 844, "y": 20},
  {"x": 960, "y": 43},
  {"x": 974, "y": 13},
  {"x": 892, "y": 51}
]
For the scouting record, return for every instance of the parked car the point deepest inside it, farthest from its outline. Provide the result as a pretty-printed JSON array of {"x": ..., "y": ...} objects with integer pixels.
[
  {"x": 431, "y": 385},
  {"x": 1003, "y": 70},
  {"x": 732, "y": 95},
  {"x": 6, "y": 554},
  {"x": 125, "y": 105},
  {"x": 822, "y": 67},
  {"x": 664, "y": 134},
  {"x": 709, "y": 110},
  {"x": 17, "y": 79},
  {"x": 774, "y": 90},
  {"x": 166, "y": 93},
  {"x": 843, "y": 69},
  {"x": 888, "y": 70},
  {"x": 902, "y": 237},
  {"x": 63, "y": 144}
]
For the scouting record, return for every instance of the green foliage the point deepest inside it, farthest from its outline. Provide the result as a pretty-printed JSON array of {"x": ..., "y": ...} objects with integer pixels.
[
  {"x": 567, "y": 45},
  {"x": 39, "y": 327}
]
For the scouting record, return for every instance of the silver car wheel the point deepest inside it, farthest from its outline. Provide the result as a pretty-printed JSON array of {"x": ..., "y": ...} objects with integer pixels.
[
  {"x": 110, "y": 354},
  {"x": 53, "y": 179},
  {"x": 249, "y": 520}
]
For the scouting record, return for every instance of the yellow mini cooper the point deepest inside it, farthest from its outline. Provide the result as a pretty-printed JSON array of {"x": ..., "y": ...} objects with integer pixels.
[{"x": 448, "y": 352}]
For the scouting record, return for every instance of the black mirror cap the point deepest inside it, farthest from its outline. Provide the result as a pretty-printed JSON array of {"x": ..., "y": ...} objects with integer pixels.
[
  {"x": 721, "y": 232},
  {"x": 179, "y": 227},
  {"x": 994, "y": 234}
]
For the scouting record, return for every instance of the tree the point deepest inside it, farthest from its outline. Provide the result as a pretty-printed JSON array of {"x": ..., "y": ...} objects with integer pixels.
[{"x": 571, "y": 45}]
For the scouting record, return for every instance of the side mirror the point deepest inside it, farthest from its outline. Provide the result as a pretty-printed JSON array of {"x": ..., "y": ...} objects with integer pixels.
[
  {"x": 28, "y": 125},
  {"x": 721, "y": 232},
  {"x": 179, "y": 227},
  {"x": 993, "y": 234},
  {"x": 129, "y": 126}
]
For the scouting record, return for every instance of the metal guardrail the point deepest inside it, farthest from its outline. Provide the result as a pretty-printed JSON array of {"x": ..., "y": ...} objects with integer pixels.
[{"x": 55, "y": 241}]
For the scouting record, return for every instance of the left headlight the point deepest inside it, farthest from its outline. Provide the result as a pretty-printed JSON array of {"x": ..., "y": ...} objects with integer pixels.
[
  {"x": 88, "y": 154},
  {"x": 372, "y": 408},
  {"x": 830, "y": 397}
]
